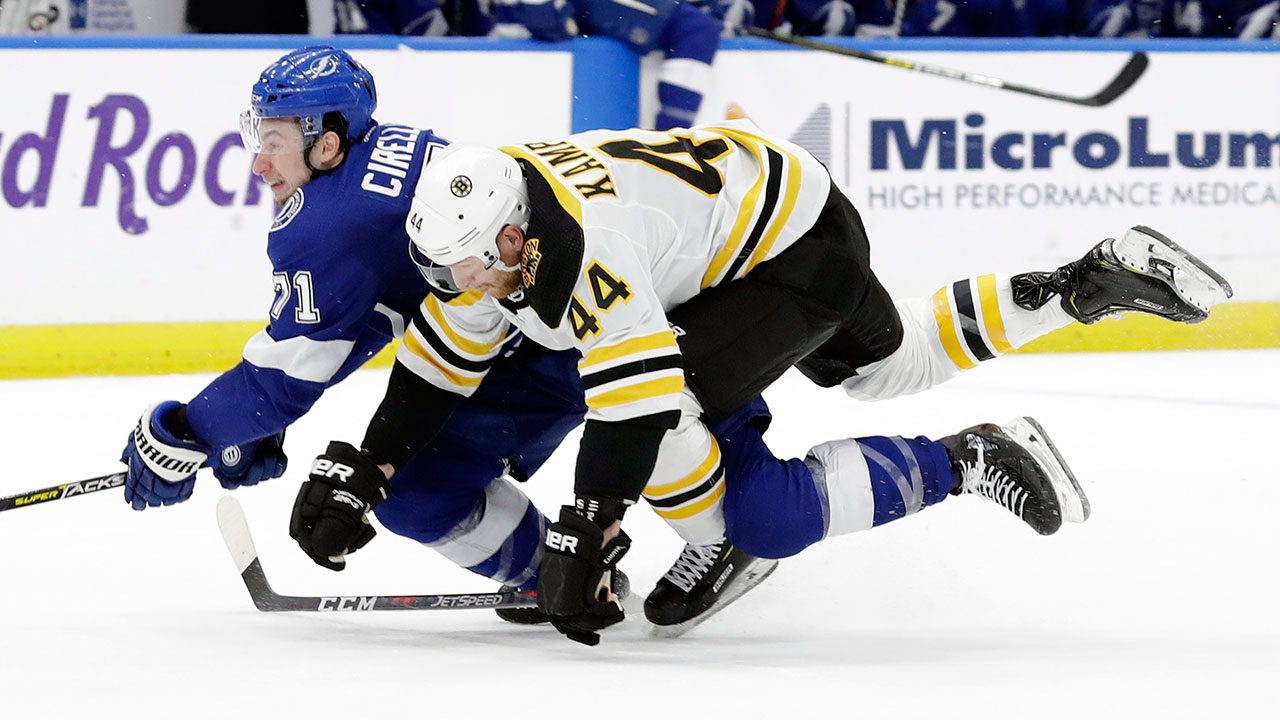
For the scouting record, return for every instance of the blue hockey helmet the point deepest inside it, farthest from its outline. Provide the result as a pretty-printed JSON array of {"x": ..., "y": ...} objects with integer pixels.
[{"x": 306, "y": 84}]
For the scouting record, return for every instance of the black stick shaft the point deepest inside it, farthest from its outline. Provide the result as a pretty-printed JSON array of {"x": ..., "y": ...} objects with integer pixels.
[
  {"x": 235, "y": 533},
  {"x": 62, "y": 492},
  {"x": 1125, "y": 79}
]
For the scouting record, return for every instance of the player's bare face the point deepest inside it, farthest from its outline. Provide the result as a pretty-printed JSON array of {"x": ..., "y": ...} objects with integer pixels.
[
  {"x": 471, "y": 274},
  {"x": 280, "y": 162}
]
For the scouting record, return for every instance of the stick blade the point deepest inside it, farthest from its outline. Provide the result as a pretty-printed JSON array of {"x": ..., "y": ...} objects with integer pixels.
[
  {"x": 235, "y": 533},
  {"x": 1126, "y": 79}
]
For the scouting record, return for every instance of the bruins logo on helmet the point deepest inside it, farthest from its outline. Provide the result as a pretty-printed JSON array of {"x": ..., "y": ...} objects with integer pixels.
[
  {"x": 460, "y": 186},
  {"x": 529, "y": 258}
]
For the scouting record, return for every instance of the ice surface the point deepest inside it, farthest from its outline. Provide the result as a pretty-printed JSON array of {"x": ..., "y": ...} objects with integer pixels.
[{"x": 1163, "y": 605}]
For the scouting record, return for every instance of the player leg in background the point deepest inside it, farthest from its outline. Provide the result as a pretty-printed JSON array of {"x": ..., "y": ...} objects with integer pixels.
[
  {"x": 775, "y": 508},
  {"x": 687, "y": 37},
  {"x": 689, "y": 43},
  {"x": 978, "y": 319},
  {"x": 458, "y": 496}
]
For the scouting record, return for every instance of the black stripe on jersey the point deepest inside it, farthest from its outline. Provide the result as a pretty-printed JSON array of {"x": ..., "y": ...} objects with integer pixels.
[
  {"x": 684, "y": 497},
  {"x": 637, "y": 367},
  {"x": 447, "y": 353},
  {"x": 772, "y": 185},
  {"x": 969, "y": 321}
]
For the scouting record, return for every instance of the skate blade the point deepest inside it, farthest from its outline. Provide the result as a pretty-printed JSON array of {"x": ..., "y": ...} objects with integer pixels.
[
  {"x": 753, "y": 576},
  {"x": 1150, "y": 253},
  {"x": 1071, "y": 498}
]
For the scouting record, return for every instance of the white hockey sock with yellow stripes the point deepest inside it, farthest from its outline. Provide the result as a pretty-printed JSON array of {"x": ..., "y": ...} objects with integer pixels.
[
  {"x": 962, "y": 325},
  {"x": 687, "y": 485}
]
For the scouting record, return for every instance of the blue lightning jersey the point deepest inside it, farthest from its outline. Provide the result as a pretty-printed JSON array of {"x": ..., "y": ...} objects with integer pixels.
[
  {"x": 344, "y": 283},
  {"x": 986, "y": 18},
  {"x": 389, "y": 17},
  {"x": 1180, "y": 18}
]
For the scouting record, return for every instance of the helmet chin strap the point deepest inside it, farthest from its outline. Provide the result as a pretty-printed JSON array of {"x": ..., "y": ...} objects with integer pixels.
[{"x": 505, "y": 267}]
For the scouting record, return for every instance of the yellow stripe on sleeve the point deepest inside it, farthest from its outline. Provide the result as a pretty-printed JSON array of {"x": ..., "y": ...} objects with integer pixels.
[
  {"x": 639, "y": 391},
  {"x": 947, "y": 331},
  {"x": 473, "y": 347},
  {"x": 598, "y": 355},
  {"x": 415, "y": 347}
]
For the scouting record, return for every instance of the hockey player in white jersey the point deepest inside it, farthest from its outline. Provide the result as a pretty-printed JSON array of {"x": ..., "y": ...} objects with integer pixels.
[{"x": 690, "y": 269}]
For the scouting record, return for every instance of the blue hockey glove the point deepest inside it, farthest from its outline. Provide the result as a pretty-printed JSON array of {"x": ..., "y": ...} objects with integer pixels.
[
  {"x": 163, "y": 456},
  {"x": 577, "y": 577},
  {"x": 264, "y": 459}
]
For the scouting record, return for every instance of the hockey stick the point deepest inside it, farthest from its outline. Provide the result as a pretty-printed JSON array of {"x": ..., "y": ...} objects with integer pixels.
[
  {"x": 61, "y": 492},
  {"x": 235, "y": 532},
  {"x": 1125, "y": 79}
]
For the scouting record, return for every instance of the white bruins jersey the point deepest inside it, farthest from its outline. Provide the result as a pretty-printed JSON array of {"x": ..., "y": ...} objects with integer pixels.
[{"x": 625, "y": 226}]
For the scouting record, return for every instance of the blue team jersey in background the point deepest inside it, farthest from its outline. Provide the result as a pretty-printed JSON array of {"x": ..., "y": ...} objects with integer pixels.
[{"x": 345, "y": 287}]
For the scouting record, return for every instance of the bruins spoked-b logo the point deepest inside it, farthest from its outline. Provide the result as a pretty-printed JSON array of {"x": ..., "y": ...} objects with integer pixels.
[
  {"x": 529, "y": 258},
  {"x": 460, "y": 186}
]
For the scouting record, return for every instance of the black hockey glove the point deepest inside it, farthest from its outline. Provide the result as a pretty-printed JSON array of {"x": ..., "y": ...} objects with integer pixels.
[
  {"x": 575, "y": 582},
  {"x": 330, "y": 514}
]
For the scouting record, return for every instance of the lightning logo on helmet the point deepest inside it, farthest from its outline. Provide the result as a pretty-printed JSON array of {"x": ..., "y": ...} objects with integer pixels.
[{"x": 322, "y": 67}]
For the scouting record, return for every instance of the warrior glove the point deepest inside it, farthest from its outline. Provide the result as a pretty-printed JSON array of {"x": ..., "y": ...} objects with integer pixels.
[{"x": 163, "y": 455}]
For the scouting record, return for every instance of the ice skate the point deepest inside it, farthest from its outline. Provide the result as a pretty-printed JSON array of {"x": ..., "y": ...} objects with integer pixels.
[
  {"x": 702, "y": 582},
  {"x": 1017, "y": 466},
  {"x": 1143, "y": 271},
  {"x": 534, "y": 616}
]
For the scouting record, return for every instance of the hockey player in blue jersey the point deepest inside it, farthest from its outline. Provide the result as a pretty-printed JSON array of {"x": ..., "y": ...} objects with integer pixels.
[
  {"x": 687, "y": 37},
  {"x": 344, "y": 288}
]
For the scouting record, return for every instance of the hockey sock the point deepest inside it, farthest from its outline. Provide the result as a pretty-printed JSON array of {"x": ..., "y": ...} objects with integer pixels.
[
  {"x": 497, "y": 532},
  {"x": 977, "y": 320},
  {"x": 964, "y": 324},
  {"x": 776, "y": 508},
  {"x": 874, "y": 480}
]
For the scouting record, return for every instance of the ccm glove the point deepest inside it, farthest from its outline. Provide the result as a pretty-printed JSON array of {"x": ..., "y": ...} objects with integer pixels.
[
  {"x": 163, "y": 456},
  {"x": 264, "y": 459},
  {"x": 330, "y": 515},
  {"x": 575, "y": 582}
]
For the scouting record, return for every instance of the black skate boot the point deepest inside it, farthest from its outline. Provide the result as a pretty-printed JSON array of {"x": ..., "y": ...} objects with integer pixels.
[
  {"x": 704, "y": 580},
  {"x": 534, "y": 616},
  {"x": 1017, "y": 466},
  {"x": 1143, "y": 271}
]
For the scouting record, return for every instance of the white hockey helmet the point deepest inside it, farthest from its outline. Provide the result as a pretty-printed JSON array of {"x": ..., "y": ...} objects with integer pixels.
[{"x": 463, "y": 199}]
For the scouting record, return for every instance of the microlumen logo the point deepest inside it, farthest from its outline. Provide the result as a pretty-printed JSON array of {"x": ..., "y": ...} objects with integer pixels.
[{"x": 950, "y": 144}]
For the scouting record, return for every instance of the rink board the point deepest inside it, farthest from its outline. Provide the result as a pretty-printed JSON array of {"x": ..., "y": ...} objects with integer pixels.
[{"x": 133, "y": 229}]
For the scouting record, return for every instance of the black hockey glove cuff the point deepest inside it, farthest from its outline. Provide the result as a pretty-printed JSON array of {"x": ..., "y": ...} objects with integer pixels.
[
  {"x": 330, "y": 514},
  {"x": 576, "y": 580}
]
